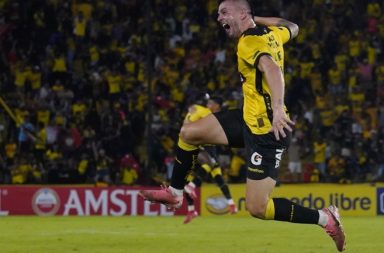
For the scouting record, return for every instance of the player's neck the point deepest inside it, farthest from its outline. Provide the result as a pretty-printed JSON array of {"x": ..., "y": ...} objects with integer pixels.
[{"x": 248, "y": 23}]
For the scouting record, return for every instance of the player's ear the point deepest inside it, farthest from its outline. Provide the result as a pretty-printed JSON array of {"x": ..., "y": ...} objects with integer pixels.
[{"x": 243, "y": 14}]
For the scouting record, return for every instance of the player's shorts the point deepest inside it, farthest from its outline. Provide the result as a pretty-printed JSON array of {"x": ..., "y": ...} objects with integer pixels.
[
  {"x": 264, "y": 153},
  {"x": 232, "y": 123}
]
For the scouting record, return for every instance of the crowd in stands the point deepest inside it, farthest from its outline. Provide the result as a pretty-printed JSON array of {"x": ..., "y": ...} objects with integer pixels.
[{"x": 75, "y": 76}]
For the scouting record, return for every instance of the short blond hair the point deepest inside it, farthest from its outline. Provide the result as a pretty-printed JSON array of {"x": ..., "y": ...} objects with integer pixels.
[{"x": 244, "y": 4}]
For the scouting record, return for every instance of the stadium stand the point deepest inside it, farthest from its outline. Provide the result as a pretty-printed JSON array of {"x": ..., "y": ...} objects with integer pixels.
[{"x": 74, "y": 74}]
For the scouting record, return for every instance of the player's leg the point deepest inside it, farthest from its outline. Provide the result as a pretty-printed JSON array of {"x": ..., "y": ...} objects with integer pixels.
[
  {"x": 205, "y": 167},
  {"x": 262, "y": 206},
  {"x": 208, "y": 156},
  {"x": 222, "y": 128},
  {"x": 217, "y": 175},
  {"x": 190, "y": 188},
  {"x": 207, "y": 130},
  {"x": 192, "y": 213},
  {"x": 263, "y": 163},
  {"x": 200, "y": 172}
]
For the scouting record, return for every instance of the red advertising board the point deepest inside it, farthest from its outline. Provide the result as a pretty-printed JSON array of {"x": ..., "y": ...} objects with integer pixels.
[{"x": 80, "y": 201}]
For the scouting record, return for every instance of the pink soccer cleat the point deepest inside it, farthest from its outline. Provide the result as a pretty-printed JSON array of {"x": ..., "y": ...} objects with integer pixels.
[
  {"x": 190, "y": 216},
  {"x": 232, "y": 209},
  {"x": 334, "y": 228},
  {"x": 163, "y": 196},
  {"x": 191, "y": 191}
]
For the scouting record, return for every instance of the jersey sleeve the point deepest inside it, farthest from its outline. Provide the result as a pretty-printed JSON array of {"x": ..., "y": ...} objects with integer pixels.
[
  {"x": 284, "y": 33},
  {"x": 251, "y": 48}
]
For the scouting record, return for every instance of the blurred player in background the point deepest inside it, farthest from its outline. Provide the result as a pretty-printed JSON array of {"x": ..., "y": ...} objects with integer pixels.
[
  {"x": 206, "y": 158},
  {"x": 263, "y": 126}
]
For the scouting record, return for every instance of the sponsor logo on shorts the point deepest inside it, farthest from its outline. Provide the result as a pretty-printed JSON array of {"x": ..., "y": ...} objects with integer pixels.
[
  {"x": 45, "y": 202},
  {"x": 278, "y": 155},
  {"x": 256, "y": 158},
  {"x": 256, "y": 170}
]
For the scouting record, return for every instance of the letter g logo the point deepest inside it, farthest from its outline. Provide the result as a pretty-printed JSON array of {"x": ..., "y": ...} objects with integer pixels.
[{"x": 256, "y": 158}]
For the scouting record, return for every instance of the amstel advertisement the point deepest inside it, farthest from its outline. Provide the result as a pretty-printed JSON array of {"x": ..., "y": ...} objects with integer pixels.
[
  {"x": 352, "y": 200},
  {"x": 79, "y": 201}
]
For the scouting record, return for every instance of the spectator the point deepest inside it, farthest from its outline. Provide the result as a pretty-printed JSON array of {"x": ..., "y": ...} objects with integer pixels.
[
  {"x": 294, "y": 163},
  {"x": 128, "y": 175},
  {"x": 40, "y": 145},
  {"x": 74, "y": 62},
  {"x": 103, "y": 168},
  {"x": 83, "y": 168},
  {"x": 319, "y": 149},
  {"x": 26, "y": 135},
  {"x": 336, "y": 168}
]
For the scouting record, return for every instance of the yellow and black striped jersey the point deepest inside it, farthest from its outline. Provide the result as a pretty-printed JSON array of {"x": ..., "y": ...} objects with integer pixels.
[
  {"x": 254, "y": 43},
  {"x": 196, "y": 112}
]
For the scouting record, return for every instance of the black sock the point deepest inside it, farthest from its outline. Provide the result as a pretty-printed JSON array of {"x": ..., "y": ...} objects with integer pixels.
[
  {"x": 202, "y": 172},
  {"x": 189, "y": 200},
  {"x": 199, "y": 175},
  {"x": 286, "y": 210},
  {"x": 223, "y": 186},
  {"x": 197, "y": 181},
  {"x": 184, "y": 163}
]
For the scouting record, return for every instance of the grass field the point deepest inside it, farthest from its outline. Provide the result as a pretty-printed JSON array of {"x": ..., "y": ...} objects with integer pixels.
[{"x": 224, "y": 234}]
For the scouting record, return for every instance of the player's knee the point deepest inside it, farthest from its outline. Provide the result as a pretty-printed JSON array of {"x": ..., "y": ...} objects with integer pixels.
[
  {"x": 189, "y": 135},
  {"x": 256, "y": 210}
]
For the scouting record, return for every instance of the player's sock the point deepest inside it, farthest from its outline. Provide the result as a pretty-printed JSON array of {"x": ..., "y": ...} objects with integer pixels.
[
  {"x": 191, "y": 204},
  {"x": 186, "y": 156},
  {"x": 195, "y": 182},
  {"x": 285, "y": 210},
  {"x": 203, "y": 170},
  {"x": 223, "y": 186},
  {"x": 323, "y": 218},
  {"x": 175, "y": 191},
  {"x": 192, "y": 183}
]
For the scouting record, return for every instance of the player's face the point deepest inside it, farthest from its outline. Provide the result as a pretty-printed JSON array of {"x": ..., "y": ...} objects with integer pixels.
[{"x": 229, "y": 18}]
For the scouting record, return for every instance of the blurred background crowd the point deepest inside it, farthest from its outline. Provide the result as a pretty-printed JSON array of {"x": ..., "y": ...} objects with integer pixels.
[{"x": 76, "y": 76}]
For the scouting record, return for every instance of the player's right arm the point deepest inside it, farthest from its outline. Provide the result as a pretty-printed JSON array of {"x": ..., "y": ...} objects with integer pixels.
[
  {"x": 272, "y": 21},
  {"x": 275, "y": 80}
]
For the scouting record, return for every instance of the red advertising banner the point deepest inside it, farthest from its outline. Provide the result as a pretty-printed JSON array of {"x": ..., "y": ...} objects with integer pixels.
[{"x": 80, "y": 201}]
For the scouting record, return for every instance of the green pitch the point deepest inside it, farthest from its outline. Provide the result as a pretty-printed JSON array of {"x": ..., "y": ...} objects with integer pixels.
[{"x": 224, "y": 234}]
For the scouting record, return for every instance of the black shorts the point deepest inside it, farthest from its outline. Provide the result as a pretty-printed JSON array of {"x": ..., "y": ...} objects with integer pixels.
[
  {"x": 263, "y": 152},
  {"x": 232, "y": 123}
]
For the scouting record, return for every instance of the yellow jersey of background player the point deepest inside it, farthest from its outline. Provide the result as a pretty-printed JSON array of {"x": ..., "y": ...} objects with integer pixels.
[
  {"x": 196, "y": 112},
  {"x": 255, "y": 42}
]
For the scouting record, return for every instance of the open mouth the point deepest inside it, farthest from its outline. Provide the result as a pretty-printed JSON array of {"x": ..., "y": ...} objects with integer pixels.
[{"x": 226, "y": 26}]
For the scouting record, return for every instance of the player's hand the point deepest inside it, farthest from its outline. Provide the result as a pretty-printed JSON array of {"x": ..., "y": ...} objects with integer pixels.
[{"x": 281, "y": 122}]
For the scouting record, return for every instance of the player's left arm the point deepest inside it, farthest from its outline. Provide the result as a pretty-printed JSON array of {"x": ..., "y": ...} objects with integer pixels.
[
  {"x": 275, "y": 80},
  {"x": 274, "y": 21}
]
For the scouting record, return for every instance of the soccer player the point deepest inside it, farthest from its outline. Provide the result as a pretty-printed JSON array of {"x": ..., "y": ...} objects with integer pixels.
[
  {"x": 206, "y": 158},
  {"x": 262, "y": 126}
]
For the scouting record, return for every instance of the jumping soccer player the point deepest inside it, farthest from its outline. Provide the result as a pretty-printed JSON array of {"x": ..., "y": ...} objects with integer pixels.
[{"x": 262, "y": 126}]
